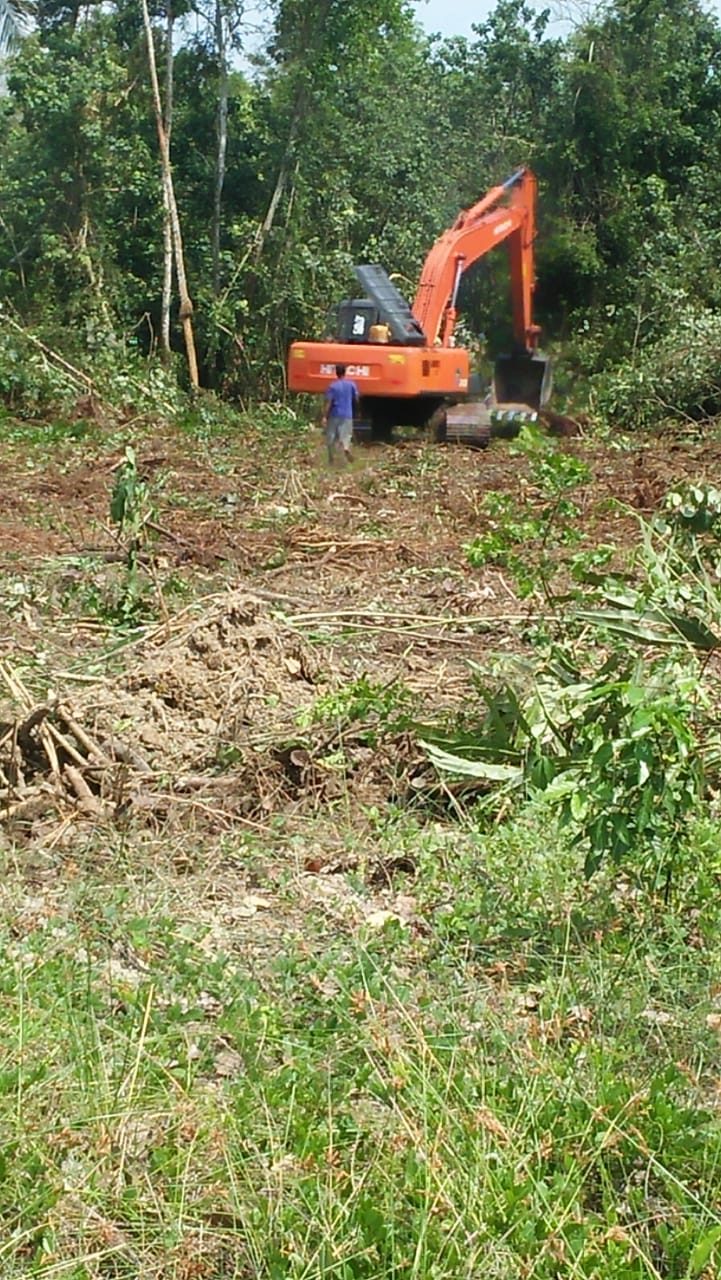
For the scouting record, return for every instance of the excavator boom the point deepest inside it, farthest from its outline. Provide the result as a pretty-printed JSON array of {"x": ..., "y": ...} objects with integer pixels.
[{"x": 507, "y": 212}]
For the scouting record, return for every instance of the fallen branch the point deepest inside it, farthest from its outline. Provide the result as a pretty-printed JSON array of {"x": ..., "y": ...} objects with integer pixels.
[
  {"x": 45, "y": 733},
  {"x": 428, "y": 619},
  {"x": 23, "y": 730},
  {"x": 90, "y": 747},
  {"x": 66, "y": 747},
  {"x": 48, "y": 352},
  {"x": 15, "y": 685},
  {"x": 28, "y": 807},
  {"x": 46, "y": 747},
  {"x": 87, "y": 802},
  {"x": 117, "y": 750}
]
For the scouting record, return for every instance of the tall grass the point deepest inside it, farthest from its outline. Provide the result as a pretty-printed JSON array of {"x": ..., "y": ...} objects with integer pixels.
[{"x": 535, "y": 1097}]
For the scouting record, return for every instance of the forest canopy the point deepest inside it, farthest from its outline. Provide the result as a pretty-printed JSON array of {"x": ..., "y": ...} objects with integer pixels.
[{"x": 349, "y": 134}]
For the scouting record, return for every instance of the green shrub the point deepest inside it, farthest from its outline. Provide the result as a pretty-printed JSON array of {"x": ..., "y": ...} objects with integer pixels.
[{"x": 676, "y": 377}]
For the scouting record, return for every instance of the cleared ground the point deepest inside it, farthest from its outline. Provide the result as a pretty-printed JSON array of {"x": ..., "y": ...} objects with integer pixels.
[{"x": 274, "y": 1002}]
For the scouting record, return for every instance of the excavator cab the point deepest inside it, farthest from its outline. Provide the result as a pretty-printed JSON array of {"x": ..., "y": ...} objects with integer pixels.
[
  {"x": 354, "y": 319},
  {"x": 523, "y": 377}
]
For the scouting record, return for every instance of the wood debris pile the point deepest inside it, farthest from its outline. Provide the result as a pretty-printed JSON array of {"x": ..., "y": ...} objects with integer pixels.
[
  {"x": 49, "y": 762},
  {"x": 211, "y": 723}
]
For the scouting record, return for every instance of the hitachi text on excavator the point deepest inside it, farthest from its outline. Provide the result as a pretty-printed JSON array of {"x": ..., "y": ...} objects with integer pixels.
[{"x": 403, "y": 358}]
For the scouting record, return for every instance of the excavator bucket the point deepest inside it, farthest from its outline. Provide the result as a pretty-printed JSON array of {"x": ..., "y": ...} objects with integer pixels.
[
  {"x": 522, "y": 378},
  {"x": 521, "y": 389}
]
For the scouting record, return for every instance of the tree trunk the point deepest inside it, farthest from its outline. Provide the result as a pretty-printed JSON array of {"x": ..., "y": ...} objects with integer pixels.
[
  {"x": 312, "y": 22},
  {"x": 167, "y": 229},
  {"x": 266, "y": 226},
  {"x": 220, "y": 159},
  {"x": 95, "y": 279},
  {"x": 186, "y": 305}
]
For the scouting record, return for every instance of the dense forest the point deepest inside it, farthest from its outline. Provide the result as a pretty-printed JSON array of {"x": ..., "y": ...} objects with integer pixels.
[{"x": 347, "y": 134}]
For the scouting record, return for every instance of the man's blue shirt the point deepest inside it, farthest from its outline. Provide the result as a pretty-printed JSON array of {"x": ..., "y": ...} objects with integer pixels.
[{"x": 340, "y": 397}]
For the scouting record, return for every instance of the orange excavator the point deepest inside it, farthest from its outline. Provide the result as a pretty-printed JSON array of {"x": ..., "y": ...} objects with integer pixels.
[{"x": 403, "y": 358}]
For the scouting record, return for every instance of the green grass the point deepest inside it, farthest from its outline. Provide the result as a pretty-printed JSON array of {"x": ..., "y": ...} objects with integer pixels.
[{"x": 518, "y": 1082}]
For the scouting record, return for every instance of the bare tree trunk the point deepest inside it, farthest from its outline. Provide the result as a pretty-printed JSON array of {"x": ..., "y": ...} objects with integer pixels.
[
  {"x": 95, "y": 278},
  {"x": 186, "y": 305},
  {"x": 281, "y": 182},
  {"x": 167, "y": 229},
  {"x": 220, "y": 159},
  {"x": 166, "y": 297},
  {"x": 313, "y": 19}
]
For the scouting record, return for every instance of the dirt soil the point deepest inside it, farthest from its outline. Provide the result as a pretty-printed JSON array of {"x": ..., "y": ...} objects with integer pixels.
[{"x": 274, "y": 583}]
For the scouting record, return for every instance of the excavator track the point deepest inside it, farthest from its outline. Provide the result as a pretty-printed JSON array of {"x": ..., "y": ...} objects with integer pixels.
[{"x": 476, "y": 424}]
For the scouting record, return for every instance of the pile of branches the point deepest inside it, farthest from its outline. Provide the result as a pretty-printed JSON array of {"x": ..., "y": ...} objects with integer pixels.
[{"x": 49, "y": 762}]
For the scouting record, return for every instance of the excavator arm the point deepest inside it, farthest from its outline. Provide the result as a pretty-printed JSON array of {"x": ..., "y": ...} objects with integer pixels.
[{"x": 506, "y": 213}]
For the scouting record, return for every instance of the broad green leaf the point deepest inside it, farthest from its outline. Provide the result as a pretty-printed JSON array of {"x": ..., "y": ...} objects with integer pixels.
[
  {"x": 579, "y": 806},
  {"x": 652, "y": 627},
  {"x": 635, "y": 695},
  {"x": 702, "y": 1250},
  {"x": 448, "y": 763}
]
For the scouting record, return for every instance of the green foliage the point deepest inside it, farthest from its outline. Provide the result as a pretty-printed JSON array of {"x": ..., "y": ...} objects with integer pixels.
[
  {"x": 675, "y": 378},
  {"x": 676, "y": 601},
  {"x": 365, "y": 707},
  {"x": 515, "y": 528},
  {"x": 31, "y": 387},
  {"x": 130, "y": 506},
  {"x": 640, "y": 774},
  {"x": 80, "y": 188},
  {"x": 555, "y": 472},
  {"x": 589, "y": 566},
  {"x": 693, "y": 510},
  {"x": 132, "y": 510},
  {"x": 36, "y": 385},
  {"x": 628, "y": 147},
  {"x": 619, "y": 120},
  {"x": 615, "y": 750},
  {"x": 505, "y": 532},
  {"x": 623, "y": 747}
]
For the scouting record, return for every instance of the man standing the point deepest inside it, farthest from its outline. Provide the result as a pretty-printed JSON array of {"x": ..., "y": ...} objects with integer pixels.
[{"x": 340, "y": 401}]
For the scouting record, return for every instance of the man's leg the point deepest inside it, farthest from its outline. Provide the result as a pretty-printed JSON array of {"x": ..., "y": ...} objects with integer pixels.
[
  {"x": 331, "y": 436},
  {"x": 345, "y": 435}
]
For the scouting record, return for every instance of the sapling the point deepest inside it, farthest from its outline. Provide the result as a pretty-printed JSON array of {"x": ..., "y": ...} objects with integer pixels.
[{"x": 132, "y": 510}]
